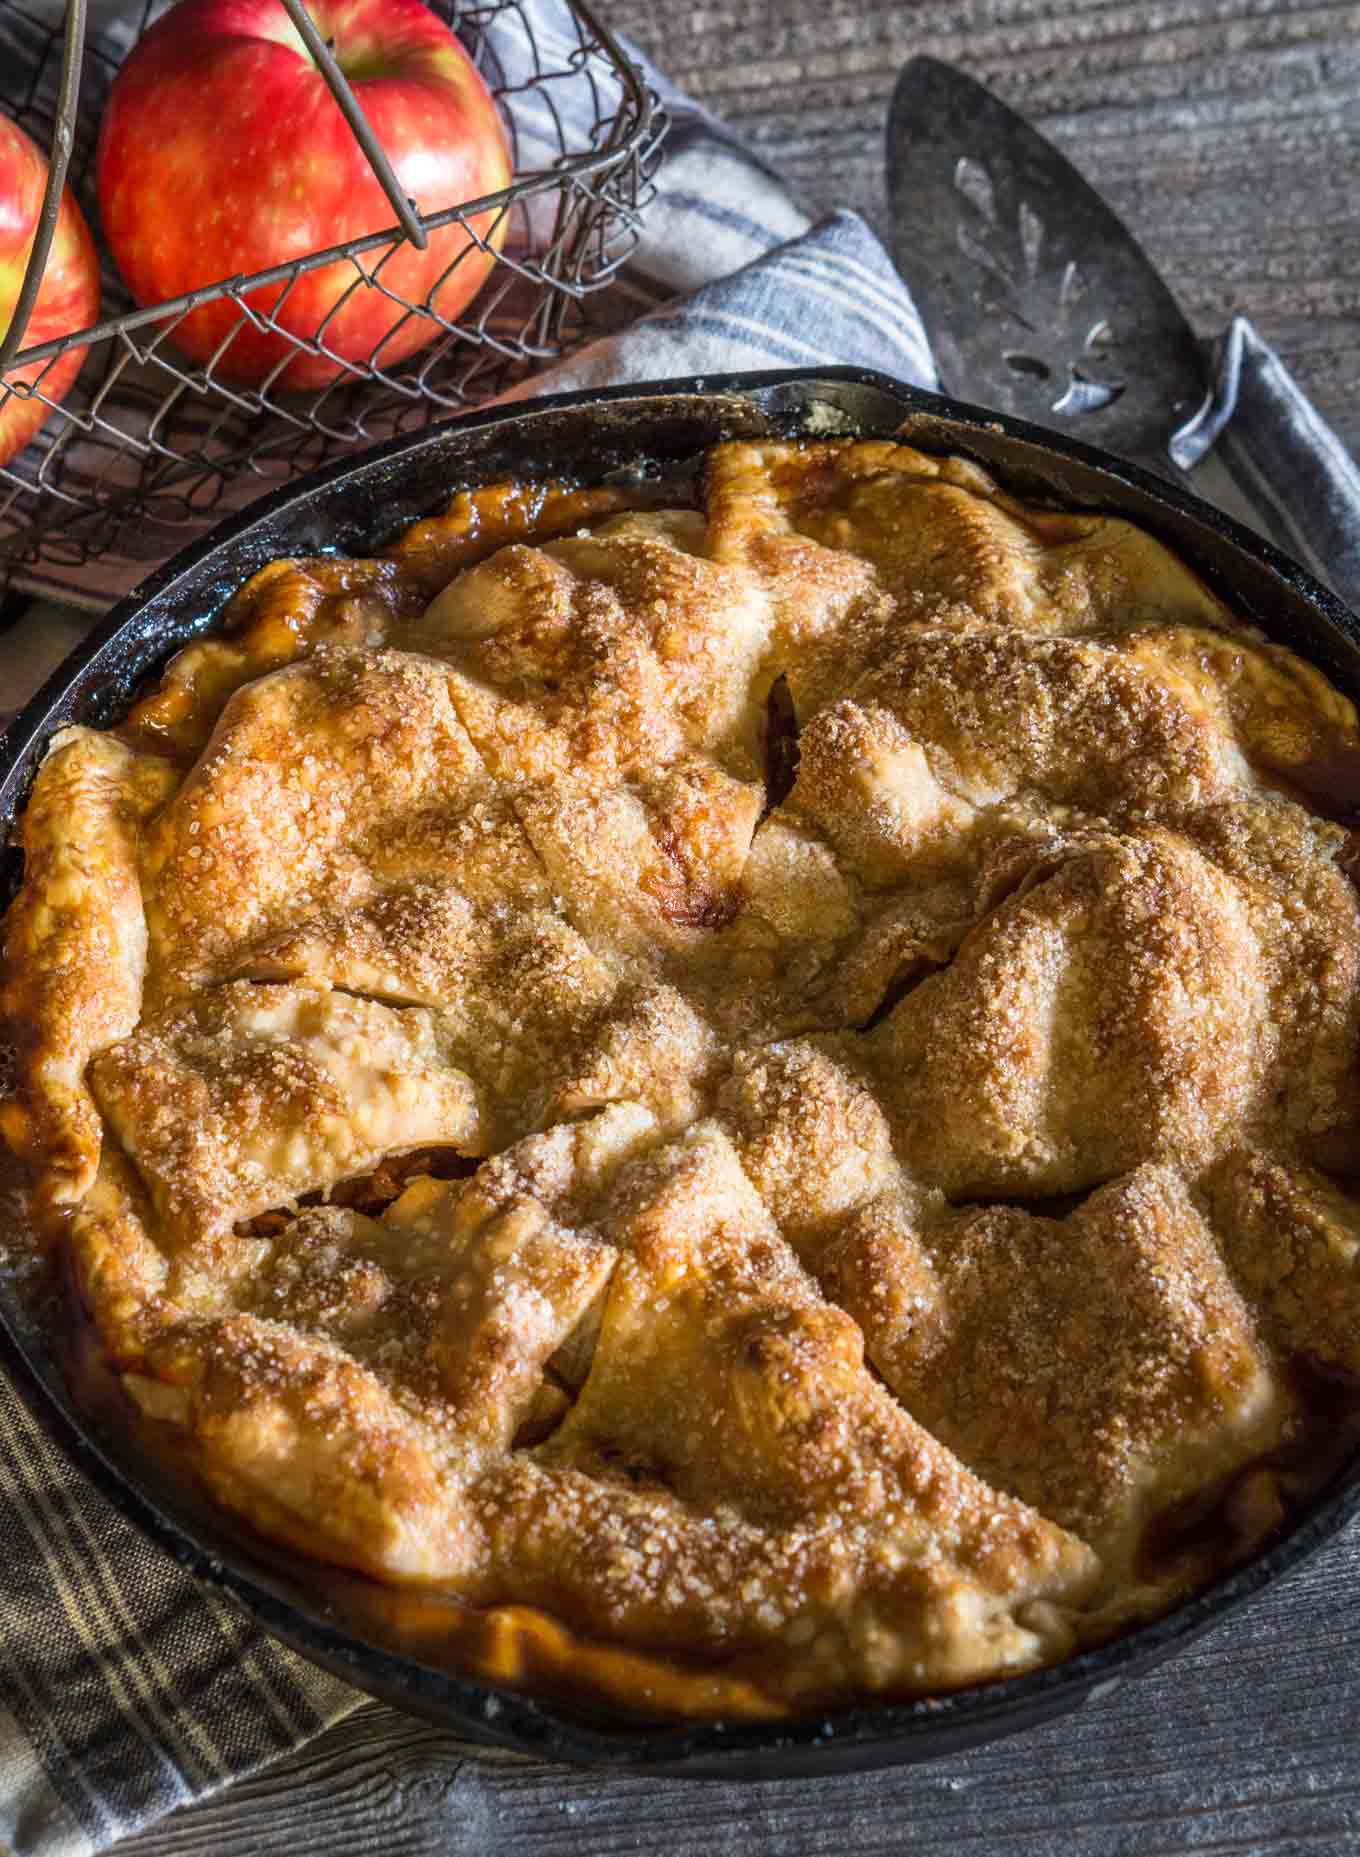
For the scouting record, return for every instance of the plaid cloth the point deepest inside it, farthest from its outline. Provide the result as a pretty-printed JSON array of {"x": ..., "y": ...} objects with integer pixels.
[{"x": 125, "y": 1690}]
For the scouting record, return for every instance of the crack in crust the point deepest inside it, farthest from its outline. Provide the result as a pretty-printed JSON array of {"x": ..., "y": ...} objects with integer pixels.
[{"x": 747, "y": 1084}]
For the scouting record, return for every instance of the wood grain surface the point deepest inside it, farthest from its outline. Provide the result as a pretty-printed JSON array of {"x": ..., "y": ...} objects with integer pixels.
[{"x": 1227, "y": 133}]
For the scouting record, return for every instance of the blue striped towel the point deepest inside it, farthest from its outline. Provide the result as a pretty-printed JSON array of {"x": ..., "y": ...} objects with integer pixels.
[{"x": 125, "y": 1690}]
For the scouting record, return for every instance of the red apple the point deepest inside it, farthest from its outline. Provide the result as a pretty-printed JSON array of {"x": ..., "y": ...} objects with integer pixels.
[
  {"x": 68, "y": 297},
  {"x": 222, "y": 151}
]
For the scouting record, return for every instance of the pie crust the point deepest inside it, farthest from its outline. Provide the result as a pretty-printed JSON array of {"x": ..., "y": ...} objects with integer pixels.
[{"x": 748, "y": 1106}]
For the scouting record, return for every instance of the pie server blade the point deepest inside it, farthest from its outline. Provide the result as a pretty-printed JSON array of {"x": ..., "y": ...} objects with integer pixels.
[{"x": 1036, "y": 299}]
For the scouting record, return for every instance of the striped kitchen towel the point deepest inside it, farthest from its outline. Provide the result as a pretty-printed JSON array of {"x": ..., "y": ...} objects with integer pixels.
[{"x": 126, "y": 1690}]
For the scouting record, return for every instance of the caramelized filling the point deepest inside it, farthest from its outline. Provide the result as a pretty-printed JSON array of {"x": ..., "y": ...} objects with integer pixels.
[
  {"x": 1349, "y": 857},
  {"x": 478, "y": 522},
  {"x": 369, "y": 1193},
  {"x": 781, "y": 743},
  {"x": 896, "y": 991}
]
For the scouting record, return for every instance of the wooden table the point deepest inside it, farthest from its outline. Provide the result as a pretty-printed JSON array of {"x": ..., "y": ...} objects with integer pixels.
[{"x": 1227, "y": 133}]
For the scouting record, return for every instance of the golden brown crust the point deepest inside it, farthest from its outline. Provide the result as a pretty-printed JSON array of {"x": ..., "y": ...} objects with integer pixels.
[
  {"x": 251, "y": 1096},
  {"x": 729, "y": 1406},
  {"x": 1113, "y": 1013},
  {"x": 75, "y": 947},
  {"x": 478, "y": 522},
  {"x": 257, "y": 828},
  {"x": 602, "y": 657},
  {"x": 782, "y": 901},
  {"x": 1102, "y": 1363},
  {"x": 1292, "y": 1237}
]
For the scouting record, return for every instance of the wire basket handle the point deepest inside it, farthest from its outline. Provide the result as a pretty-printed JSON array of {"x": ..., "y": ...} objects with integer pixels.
[
  {"x": 408, "y": 215},
  {"x": 63, "y": 141}
]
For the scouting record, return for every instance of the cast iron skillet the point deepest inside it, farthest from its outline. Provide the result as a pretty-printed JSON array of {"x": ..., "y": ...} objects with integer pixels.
[{"x": 354, "y": 507}]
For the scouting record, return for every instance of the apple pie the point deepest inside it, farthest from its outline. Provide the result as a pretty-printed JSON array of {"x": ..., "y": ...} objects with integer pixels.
[{"x": 754, "y": 1103}]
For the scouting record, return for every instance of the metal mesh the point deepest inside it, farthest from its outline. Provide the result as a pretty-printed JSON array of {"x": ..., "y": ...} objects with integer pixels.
[{"x": 148, "y": 438}]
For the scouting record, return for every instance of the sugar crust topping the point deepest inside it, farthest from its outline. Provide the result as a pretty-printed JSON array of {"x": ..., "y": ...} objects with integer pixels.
[{"x": 760, "y": 1093}]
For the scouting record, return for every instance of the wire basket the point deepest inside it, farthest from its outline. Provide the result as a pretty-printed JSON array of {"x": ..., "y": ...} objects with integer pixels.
[{"x": 148, "y": 447}]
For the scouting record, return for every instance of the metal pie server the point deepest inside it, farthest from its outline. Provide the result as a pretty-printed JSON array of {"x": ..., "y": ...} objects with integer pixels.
[{"x": 1035, "y": 297}]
